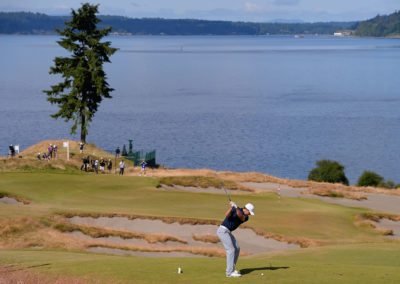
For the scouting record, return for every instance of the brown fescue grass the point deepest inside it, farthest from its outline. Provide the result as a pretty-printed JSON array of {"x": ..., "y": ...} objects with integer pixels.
[
  {"x": 29, "y": 232},
  {"x": 89, "y": 149},
  {"x": 384, "y": 232},
  {"x": 210, "y": 252},
  {"x": 303, "y": 242},
  {"x": 206, "y": 238},
  {"x": 337, "y": 194},
  {"x": 168, "y": 220},
  {"x": 370, "y": 220},
  {"x": 376, "y": 217},
  {"x": 43, "y": 238},
  {"x": 17, "y": 226},
  {"x": 10, "y": 274},
  {"x": 97, "y": 232},
  {"x": 202, "y": 182},
  {"x": 34, "y": 165},
  {"x": 14, "y": 196}
]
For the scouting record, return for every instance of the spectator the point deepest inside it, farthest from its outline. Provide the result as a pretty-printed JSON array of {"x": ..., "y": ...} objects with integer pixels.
[
  {"x": 109, "y": 166},
  {"x": 46, "y": 156},
  {"x": 143, "y": 165},
  {"x": 39, "y": 156},
  {"x": 50, "y": 151},
  {"x": 85, "y": 163},
  {"x": 81, "y": 146},
  {"x": 11, "y": 151},
  {"x": 96, "y": 166},
  {"x": 117, "y": 152},
  {"x": 102, "y": 165},
  {"x": 121, "y": 167},
  {"x": 55, "y": 150}
]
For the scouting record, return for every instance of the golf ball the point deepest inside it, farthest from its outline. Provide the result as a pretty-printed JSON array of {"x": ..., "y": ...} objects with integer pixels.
[{"x": 262, "y": 274}]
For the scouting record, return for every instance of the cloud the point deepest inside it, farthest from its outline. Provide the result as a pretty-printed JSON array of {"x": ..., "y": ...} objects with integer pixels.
[
  {"x": 253, "y": 7},
  {"x": 286, "y": 2}
]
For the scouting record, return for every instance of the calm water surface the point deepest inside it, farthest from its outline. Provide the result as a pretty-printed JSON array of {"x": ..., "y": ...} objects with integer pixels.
[{"x": 268, "y": 104}]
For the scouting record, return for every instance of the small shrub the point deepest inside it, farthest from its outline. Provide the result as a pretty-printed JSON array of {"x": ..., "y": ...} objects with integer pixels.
[
  {"x": 369, "y": 178},
  {"x": 328, "y": 171},
  {"x": 389, "y": 184}
]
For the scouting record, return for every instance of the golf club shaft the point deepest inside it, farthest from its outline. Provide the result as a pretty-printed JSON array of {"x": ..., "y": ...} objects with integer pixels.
[{"x": 227, "y": 194}]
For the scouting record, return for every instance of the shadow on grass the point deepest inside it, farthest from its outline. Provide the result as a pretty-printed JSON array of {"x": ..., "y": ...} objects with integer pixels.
[{"x": 250, "y": 270}]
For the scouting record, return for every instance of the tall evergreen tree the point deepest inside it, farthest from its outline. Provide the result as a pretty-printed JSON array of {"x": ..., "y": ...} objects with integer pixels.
[{"x": 84, "y": 82}]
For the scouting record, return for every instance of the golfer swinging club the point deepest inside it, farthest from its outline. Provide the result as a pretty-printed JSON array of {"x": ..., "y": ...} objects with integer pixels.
[{"x": 233, "y": 218}]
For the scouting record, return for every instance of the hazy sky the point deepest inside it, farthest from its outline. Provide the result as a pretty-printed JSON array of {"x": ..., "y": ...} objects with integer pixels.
[{"x": 243, "y": 10}]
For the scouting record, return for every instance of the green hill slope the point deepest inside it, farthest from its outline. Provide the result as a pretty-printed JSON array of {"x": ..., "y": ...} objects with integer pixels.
[
  {"x": 380, "y": 26},
  {"x": 35, "y": 23}
]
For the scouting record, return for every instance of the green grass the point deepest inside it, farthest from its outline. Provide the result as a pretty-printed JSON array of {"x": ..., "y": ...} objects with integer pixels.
[
  {"x": 340, "y": 264},
  {"x": 355, "y": 254},
  {"x": 301, "y": 218}
]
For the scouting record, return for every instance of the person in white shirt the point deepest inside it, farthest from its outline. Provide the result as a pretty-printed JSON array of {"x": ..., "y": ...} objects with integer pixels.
[{"x": 121, "y": 167}]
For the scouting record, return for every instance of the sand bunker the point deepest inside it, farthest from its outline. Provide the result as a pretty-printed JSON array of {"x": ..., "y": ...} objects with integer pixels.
[
  {"x": 281, "y": 189},
  {"x": 387, "y": 224},
  {"x": 375, "y": 201},
  {"x": 249, "y": 241},
  {"x": 9, "y": 200}
]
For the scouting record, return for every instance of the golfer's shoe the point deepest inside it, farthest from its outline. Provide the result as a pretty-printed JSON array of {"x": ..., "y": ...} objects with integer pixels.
[{"x": 234, "y": 274}]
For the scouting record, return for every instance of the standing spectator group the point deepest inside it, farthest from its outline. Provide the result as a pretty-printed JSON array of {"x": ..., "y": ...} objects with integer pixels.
[
  {"x": 96, "y": 165},
  {"x": 51, "y": 153}
]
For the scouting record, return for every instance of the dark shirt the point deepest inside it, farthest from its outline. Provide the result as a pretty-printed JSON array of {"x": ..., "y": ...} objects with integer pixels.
[{"x": 232, "y": 222}]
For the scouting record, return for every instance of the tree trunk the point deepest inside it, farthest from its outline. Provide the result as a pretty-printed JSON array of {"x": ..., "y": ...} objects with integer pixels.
[{"x": 83, "y": 128}]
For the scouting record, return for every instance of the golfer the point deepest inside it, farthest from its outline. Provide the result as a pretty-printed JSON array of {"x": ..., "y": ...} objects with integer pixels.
[{"x": 233, "y": 218}]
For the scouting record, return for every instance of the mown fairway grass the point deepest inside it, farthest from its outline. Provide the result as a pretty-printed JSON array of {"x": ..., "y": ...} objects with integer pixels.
[
  {"x": 340, "y": 264},
  {"x": 360, "y": 255}
]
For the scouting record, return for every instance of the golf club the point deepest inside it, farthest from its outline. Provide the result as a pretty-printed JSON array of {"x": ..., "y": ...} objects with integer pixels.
[{"x": 227, "y": 194}]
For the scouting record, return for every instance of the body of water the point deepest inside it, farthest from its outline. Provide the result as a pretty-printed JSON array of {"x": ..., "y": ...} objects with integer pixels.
[{"x": 269, "y": 104}]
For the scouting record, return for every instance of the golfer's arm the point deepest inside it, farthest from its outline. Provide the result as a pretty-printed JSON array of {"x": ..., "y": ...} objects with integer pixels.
[
  {"x": 240, "y": 214},
  {"x": 228, "y": 213}
]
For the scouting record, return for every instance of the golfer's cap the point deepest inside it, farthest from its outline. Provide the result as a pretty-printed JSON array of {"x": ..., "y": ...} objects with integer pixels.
[{"x": 250, "y": 207}]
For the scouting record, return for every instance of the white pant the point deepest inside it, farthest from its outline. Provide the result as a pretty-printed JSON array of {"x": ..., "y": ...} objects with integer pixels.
[{"x": 231, "y": 247}]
